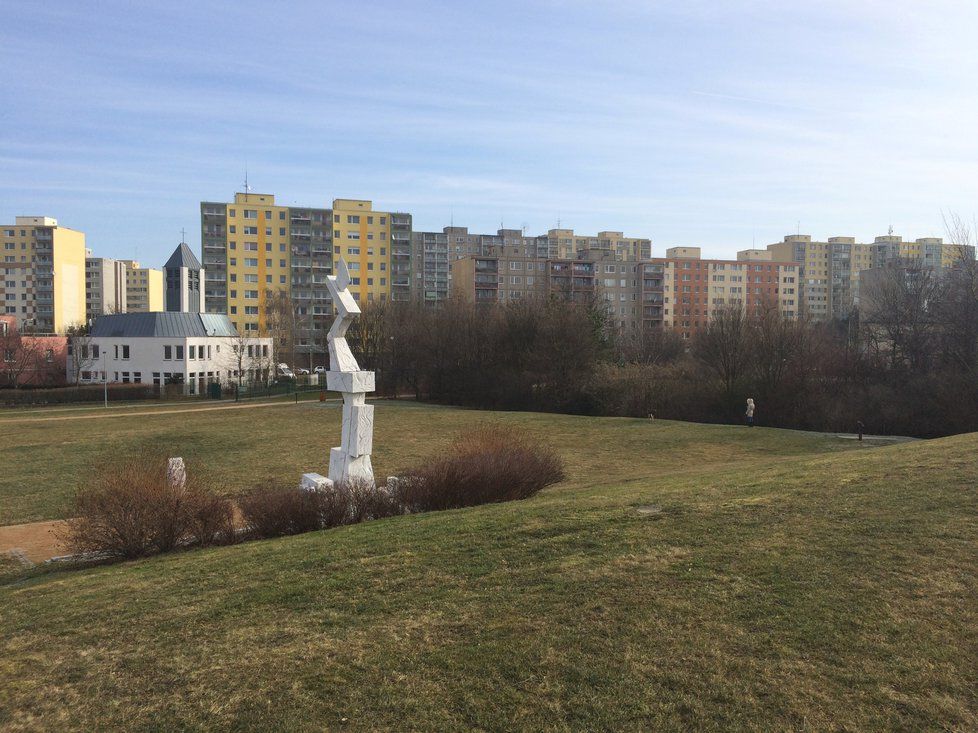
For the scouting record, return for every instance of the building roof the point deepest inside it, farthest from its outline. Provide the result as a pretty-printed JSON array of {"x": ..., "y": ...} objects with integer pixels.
[
  {"x": 183, "y": 257},
  {"x": 162, "y": 325}
]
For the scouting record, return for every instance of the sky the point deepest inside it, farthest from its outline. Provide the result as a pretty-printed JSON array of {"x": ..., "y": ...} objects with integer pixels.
[{"x": 712, "y": 124}]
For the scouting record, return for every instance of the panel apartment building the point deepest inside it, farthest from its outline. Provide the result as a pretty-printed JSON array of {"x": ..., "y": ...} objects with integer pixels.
[
  {"x": 680, "y": 291},
  {"x": 43, "y": 274},
  {"x": 253, "y": 247},
  {"x": 830, "y": 270},
  {"x": 424, "y": 271}
]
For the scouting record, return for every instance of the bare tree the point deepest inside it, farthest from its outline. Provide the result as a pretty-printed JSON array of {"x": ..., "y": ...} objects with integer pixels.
[
  {"x": 369, "y": 335},
  {"x": 724, "y": 346},
  {"x": 651, "y": 346},
  {"x": 82, "y": 351},
  {"x": 237, "y": 358},
  {"x": 286, "y": 324},
  {"x": 959, "y": 309},
  {"x": 18, "y": 354},
  {"x": 901, "y": 314}
]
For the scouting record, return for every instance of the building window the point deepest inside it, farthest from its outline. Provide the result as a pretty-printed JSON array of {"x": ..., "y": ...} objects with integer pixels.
[{"x": 180, "y": 352}]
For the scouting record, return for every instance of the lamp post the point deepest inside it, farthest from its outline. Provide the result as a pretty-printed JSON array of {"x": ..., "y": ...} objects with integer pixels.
[{"x": 105, "y": 380}]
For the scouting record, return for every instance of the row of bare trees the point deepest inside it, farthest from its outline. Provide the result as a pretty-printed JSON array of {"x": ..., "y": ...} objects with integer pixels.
[{"x": 905, "y": 362}]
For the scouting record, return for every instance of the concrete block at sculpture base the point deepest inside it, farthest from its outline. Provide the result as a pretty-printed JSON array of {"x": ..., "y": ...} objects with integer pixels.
[
  {"x": 343, "y": 466},
  {"x": 350, "y": 381},
  {"x": 315, "y": 482},
  {"x": 176, "y": 473}
]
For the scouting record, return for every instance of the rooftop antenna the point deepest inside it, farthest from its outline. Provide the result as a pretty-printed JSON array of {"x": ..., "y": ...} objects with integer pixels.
[
  {"x": 890, "y": 230},
  {"x": 524, "y": 228},
  {"x": 799, "y": 227},
  {"x": 558, "y": 221},
  {"x": 452, "y": 217},
  {"x": 247, "y": 188}
]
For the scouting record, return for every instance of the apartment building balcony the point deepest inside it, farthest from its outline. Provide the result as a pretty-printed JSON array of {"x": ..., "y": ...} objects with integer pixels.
[
  {"x": 322, "y": 250},
  {"x": 655, "y": 298},
  {"x": 401, "y": 282},
  {"x": 321, "y": 266},
  {"x": 300, "y": 216},
  {"x": 651, "y": 284},
  {"x": 214, "y": 231},
  {"x": 487, "y": 265},
  {"x": 212, "y": 213},
  {"x": 214, "y": 246},
  {"x": 486, "y": 294}
]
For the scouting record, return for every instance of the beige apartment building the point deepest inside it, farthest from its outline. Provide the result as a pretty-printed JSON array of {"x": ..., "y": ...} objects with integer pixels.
[
  {"x": 43, "y": 274},
  {"x": 105, "y": 286},
  {"x": 424, "y": 271},
  {"x": 830, "y": 270}
]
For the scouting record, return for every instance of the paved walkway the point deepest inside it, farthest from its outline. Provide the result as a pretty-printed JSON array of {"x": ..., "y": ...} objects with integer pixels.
[{"x": 159, "y": 411}]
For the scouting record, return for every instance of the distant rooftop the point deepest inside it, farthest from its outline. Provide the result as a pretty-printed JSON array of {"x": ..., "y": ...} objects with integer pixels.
[{"x": 162, "y": 325}]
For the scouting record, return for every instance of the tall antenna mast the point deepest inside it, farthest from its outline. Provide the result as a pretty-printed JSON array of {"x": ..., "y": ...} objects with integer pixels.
[{"x": 247, "y": 188}]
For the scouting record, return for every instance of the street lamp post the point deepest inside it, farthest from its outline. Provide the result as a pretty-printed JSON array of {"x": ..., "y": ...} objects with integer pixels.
[{"x": 105, "y": 381}]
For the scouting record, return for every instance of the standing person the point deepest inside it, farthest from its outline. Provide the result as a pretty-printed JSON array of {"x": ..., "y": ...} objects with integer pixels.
[{"x": 750, "y": 412}]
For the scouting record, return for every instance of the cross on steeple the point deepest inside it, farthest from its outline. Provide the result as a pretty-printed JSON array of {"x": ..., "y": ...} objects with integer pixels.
[{"x": 183, "y": 236}]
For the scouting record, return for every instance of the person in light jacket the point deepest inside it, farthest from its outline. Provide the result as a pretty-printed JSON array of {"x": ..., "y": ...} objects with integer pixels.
[{"x": 750, "y": 412}]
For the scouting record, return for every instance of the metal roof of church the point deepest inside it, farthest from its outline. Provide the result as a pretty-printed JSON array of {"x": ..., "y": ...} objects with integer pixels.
[
  {"x": 162, "y": 325},
  {"x": 182, "y": 257}
]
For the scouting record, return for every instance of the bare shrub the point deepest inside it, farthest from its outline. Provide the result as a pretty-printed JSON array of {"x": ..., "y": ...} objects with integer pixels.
[
  {"x": 131, "y": 511},
  {"x": 273, "y": 509},
  {"x": 212, "y": 520},
  {"x": 492, "y": 463},
  {"x": 365, "y": 501}
]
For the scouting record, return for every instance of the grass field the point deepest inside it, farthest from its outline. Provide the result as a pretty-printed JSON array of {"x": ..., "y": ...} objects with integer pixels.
[{"x": 781, "y": 581}]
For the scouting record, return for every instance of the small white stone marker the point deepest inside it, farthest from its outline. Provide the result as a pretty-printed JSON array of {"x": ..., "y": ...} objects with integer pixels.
[{"x": 176, "y": 473}]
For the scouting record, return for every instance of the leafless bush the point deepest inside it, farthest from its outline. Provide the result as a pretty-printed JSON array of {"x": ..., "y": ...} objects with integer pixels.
[
  {"x": 212, "y": 520},
  {"x": 275, "y": 510},
  {"x": 366, "y": 502},
  {"x": 131, "y": 511},
  {"x": 489, "y": 464}
]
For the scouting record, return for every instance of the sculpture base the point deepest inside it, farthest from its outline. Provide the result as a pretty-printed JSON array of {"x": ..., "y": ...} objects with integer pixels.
[{"x": 344, "y": 467}]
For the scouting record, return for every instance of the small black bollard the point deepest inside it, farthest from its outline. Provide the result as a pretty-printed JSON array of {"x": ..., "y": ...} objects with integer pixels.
[{"x": 859, "y": 424}]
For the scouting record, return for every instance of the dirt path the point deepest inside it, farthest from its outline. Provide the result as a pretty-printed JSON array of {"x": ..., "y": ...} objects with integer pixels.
[{"x": 36, "y": 540}]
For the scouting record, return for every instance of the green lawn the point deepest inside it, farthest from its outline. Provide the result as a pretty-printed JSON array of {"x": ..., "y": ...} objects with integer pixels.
[{"x": 789, "y": 582}]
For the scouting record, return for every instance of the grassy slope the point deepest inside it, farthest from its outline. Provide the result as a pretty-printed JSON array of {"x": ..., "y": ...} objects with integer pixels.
[
  {"x": 44, "y": 460},
  {"x": 785, "y": 585}
]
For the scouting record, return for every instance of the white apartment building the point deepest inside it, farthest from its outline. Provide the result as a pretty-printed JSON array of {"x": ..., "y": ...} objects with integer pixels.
[{"x": 192, "y": 349}]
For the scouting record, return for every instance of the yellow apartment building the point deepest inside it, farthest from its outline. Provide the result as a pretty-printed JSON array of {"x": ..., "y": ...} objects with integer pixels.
[
  {"x": 362, "y": 237},
  {"x": 42, "y": 275},
  {"x": 254, "y": 248},
  {"x": 144, "y": 288}
]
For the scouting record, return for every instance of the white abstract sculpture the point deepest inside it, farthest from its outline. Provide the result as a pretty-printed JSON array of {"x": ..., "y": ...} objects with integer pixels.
[{"x": 352, "y": 459}]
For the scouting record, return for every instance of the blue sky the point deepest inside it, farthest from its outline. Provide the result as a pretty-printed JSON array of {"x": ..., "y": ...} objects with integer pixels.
[{"x": 694, "y": 123}]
